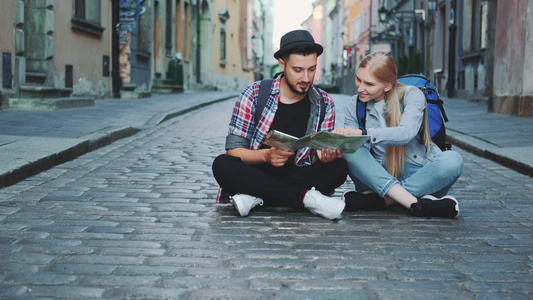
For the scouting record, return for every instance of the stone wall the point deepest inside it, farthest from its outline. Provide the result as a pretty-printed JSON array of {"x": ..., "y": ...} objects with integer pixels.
[{"x": 513, "y": 67}]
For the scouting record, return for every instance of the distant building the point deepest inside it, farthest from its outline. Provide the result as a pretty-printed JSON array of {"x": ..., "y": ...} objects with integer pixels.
[{"x": 472, "y": 49}]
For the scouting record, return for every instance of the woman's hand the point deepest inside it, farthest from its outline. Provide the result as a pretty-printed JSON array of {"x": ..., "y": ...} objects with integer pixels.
[
  {"x": 327, "y": 155},
  {"x": 348, "y": 131}
]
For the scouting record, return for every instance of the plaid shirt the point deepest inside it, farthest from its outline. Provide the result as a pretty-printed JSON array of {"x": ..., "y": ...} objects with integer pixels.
[{"x": 243, "y": 124}]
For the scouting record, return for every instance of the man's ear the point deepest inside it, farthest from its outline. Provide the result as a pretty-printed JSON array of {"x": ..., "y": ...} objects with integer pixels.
[{"x": 281, "y": 65}]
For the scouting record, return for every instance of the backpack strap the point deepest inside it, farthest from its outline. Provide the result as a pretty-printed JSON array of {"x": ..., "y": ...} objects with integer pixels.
[
  {"x": 264, "y": 95},
  {"x": 440, "y": 104},
  {"x": 427, "y": 91},
  {"x": 322, "y": 110},
  {"x": 361, "y": 113}
]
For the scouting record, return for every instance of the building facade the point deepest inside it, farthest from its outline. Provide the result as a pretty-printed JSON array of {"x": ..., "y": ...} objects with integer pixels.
[
  {"x": 512, "y": 68},
  {"x": 54, "y": 51},
  {"x": 84, "y": 50},
  {"x": 472, "y": 49},
  {"x": 11, "y": 13}
]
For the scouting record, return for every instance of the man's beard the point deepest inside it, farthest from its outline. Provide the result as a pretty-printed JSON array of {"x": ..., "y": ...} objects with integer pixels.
[{"x": 293, "y": 88}]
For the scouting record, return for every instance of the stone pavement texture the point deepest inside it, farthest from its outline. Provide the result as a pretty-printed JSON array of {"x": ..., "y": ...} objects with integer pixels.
[
  {"x": 33, "y": 141},
  {"x": 136, "y": 219}
]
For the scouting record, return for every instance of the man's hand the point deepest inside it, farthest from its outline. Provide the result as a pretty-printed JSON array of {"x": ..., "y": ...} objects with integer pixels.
[
  {"x": 272, "y": 156},
  {"x": 327, "y": 156},
  {"x": 277, "y": 157}
]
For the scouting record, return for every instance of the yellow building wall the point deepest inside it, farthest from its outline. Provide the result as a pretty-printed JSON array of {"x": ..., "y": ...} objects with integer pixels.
[
  {"x": 352, "y": 9},
  {"x": 83, "y": 51},
  {"x": 7, "y": 33},
  {"x": 7, "y": 38},
  {"x": 235, "y": 56}
]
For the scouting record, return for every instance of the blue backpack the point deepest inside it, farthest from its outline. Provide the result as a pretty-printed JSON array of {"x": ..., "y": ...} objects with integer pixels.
[{"x": 436, "y": 114}]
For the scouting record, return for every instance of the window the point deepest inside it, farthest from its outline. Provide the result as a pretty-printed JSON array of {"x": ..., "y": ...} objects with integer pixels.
[
  {"x": 182, "y": 28},
  {"x": 222, "y": 45},
  {"x": 86, "y": 16},
  {"x": 476, "y": 18},
  {"x": 69, "y": 76},
  {"x": 223, "y": 16},
  {"x": 79, "y": 9},
  {"x": 6, "y": 70},
  {"x": 484, "y": 23}
]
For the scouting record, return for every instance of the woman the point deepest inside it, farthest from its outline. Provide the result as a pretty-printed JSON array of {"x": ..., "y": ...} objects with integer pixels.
[{"x": 399, "y": 163}]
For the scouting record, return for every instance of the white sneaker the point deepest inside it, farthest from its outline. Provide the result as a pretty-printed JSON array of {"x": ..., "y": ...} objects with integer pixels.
[
  {"x": 244, "y": 203},
  {"x": 321, "y": 205}
]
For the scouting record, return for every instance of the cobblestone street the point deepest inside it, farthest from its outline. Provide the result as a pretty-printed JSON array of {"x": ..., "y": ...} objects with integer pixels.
[{"x": 138, "y": 219}]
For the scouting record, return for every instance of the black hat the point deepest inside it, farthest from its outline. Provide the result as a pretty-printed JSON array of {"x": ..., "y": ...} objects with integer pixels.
[{"x": 295, "y": 39}]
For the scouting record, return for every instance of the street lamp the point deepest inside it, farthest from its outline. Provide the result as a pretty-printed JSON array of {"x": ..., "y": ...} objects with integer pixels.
[
  {"x": 382, "y": 14},
  {"x": 405, "y": 19},
  {"x": 432, "y": 5}
]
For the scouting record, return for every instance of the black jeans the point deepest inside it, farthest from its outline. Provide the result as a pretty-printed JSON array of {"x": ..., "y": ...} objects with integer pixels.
[{"x": 278, "y": 186}]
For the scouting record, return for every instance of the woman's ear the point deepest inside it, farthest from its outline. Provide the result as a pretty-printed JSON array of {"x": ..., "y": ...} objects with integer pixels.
[{"x": 388, "y": 87}]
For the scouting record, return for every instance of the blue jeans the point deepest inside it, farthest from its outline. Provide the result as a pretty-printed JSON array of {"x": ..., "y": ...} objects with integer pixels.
[{"x": 436, "y": 177}]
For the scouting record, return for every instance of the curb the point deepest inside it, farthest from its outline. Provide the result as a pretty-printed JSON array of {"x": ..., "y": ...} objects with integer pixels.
[
  {"x": 86, "y": 144},
  {"x": 89, "y": 143},
  {"x": 158, "y": 119},
  {"x": 486, "y": 150}
]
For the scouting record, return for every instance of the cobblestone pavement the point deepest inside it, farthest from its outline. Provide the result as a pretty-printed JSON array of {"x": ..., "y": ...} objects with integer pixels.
[{"x": 137, "y": 219}]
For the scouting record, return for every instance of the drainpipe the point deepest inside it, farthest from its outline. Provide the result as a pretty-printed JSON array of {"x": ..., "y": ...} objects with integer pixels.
[
  {"x": 451, "y": 62},
  {"x": 198, "y": 48},
  {"x": 115, "y": 50}
]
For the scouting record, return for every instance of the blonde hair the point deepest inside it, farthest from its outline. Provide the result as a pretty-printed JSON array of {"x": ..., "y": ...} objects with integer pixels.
[{"x": 382, "y": 66}]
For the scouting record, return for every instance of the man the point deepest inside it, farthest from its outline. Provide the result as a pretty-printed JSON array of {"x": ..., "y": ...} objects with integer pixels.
[{"x": 254, "y": 173}]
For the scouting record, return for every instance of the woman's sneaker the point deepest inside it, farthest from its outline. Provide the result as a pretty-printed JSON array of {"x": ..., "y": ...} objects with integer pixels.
[
  {"x": 244, "y": 203},
  {"x": 431, "y": 206},
  {"x": 324, "y": 206},
  {"x": 357, "y": 201}
]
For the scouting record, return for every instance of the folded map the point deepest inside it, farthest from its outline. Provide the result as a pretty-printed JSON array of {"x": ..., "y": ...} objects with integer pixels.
[{"x": 319, "y": 141}]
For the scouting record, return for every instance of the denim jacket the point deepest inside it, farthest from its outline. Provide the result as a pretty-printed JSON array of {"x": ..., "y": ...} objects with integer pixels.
[{"x": 406, "y": 133}]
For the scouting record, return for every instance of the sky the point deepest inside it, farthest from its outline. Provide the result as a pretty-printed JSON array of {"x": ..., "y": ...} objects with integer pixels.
[{"x": 288, "y": 15}]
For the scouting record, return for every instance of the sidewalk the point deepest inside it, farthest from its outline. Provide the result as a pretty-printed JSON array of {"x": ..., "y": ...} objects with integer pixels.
[
  {"x": 33, "y": 141},
  {"x": 505, "y": 139}
]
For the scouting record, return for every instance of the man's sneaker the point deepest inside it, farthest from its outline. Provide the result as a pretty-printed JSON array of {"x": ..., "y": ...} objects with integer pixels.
[
  {"x": 357, "y": 201},
  {"x": 321, "y": 205},
  {"x": 430, "y": 206},
  {"x": 244, "y": 203}
]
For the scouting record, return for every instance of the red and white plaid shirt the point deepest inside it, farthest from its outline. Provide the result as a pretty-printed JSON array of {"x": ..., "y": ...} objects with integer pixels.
[
  {"x": 243, "y": 124},
  {"x": 243, "y": 121}
]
